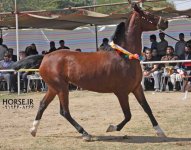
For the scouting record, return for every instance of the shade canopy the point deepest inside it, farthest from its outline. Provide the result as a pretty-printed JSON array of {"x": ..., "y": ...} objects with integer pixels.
[
  {"x": 170, "y": 12},
  {"x": 60, "y": 19},
  {"x": 70, "y": 19}
]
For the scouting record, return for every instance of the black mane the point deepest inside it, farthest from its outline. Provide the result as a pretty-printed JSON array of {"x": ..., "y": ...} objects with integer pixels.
[{"x": 119, "y": 33}]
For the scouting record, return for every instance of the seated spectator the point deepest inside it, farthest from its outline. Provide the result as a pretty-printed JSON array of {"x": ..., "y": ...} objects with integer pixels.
[
  {"x": 22, "y": 55},
  {"x": 105, "y": 45},
  {"x": 6, "y": 64},
  {"x": 170, "y": 69},
  {"x": 155, "y": 55},
  {"x": 52, "y": 47},
  {"x": 31, "y": 50},
  {"x": 186, "y": 66},
  {"x": 180, "y": 45},
  {"x": 3, "y": 49},
  {"x": 151, "y": 70},
  {"x": 12, "y": 56},
  {"x": 34, "y": 49},
  {"x": 62, "y": 45},
  {"x": 13, "y": 76},
  {"x": 23, "y": 75},
  {"x": 28, "y": 50}
]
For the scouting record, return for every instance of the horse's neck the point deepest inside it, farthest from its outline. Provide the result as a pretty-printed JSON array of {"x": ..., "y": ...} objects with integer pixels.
[
  {"x": 133, "y": 36},
  {"x": 134, "y": 44}
]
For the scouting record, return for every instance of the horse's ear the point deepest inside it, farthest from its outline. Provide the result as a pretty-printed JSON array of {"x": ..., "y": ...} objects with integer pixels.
[{"x": 136, "y": 8}]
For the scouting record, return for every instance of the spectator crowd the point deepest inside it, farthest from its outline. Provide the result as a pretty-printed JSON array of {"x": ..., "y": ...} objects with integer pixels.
[
  {"x": 158, "y": 77},
  {"x": 167, "y": 76},
  {"x": 8, "y": 80}
]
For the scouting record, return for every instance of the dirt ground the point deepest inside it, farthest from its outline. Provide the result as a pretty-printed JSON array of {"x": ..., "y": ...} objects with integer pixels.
[{"x": 95, "y": 112}]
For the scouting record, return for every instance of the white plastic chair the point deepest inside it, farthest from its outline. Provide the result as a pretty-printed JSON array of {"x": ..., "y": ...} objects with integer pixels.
[{"x": 34, "y": 77}]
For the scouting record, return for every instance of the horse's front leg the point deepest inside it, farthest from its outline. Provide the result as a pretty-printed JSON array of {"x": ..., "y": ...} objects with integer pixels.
[
  {"x": 43, "y": 105},
  {"x": 124, "y": 102},
  {"x": 139, "y": 94},
  {"x": 64, "y": 111}
]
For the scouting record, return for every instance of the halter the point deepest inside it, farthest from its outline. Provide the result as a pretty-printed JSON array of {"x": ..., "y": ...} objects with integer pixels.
[
  {"x": 124, "y": 51},
  {"x": 158, "y": 24}
]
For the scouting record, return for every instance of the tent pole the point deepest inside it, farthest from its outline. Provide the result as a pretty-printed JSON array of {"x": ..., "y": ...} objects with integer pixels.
[
  {"x": 17, "y": 44},
  {"x": 1, "y": 33},
  {"x": 96, "y": 37}
]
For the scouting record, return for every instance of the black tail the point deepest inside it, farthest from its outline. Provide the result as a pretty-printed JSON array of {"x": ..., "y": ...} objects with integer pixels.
[{"x": 29, "y": 62}]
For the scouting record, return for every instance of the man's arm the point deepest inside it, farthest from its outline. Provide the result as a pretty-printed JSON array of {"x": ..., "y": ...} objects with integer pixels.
[
  {"x": 147, "y": 73},
  {"x": 155, "y": 67}
]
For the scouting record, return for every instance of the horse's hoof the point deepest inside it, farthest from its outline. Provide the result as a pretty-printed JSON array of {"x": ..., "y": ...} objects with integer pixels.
[
  {"x": 87, "y": 138},
  {"x": 33, "y": 132},
  {"x": 111, "y": 128},
  {"x": 161, "y": 135}
]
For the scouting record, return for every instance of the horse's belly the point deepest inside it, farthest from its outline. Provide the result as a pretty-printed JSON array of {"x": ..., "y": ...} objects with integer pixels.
[{"x": 107, "y": 84}]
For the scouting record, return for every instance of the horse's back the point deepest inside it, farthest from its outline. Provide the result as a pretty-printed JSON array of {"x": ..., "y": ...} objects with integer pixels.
[{"x": 96, "y": 71}]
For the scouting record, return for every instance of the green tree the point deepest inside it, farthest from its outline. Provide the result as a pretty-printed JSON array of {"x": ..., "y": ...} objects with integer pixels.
[{"x": 29, "y": 5}]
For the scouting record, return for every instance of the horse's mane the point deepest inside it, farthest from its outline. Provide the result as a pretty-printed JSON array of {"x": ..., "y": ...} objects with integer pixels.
[{"x": 119, "y": 33}]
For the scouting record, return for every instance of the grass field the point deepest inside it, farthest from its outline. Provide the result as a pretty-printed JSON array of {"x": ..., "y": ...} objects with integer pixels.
[{"x": 95, "y": 112}]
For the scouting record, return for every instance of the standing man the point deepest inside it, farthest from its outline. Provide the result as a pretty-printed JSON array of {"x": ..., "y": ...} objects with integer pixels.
[
  {"x": 62, "y": 45},
  {"x": 153, "y": 40},
  {"x": 52, "y": 47},
  {"x": 162, "y": 45},
  {"x": 180, "y": 45},
  {"x": 105, "y": 45}
]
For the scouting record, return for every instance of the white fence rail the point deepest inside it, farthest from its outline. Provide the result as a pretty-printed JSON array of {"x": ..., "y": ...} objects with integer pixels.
[
  {"x": 35, "y": 70},
  {"x": 165, "y": 62}
]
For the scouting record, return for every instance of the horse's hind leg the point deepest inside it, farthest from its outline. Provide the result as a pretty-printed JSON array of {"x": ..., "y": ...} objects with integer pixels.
[
  {"x": 64, "y": 111},
  {"x": 143, "y": 102},
  {"x": 124, "y": 102},
  {"x": 43, "y": 105}
]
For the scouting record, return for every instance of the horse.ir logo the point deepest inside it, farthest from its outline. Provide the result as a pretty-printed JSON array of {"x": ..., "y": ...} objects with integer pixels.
[{"x": 17, "y": 103}]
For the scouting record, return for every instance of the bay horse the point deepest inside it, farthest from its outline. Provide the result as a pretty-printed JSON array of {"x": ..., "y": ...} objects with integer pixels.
[{"x": 105, "y": 72}]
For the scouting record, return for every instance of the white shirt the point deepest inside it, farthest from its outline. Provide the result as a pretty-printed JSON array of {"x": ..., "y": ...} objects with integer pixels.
[{"x": 161, "y": 47}]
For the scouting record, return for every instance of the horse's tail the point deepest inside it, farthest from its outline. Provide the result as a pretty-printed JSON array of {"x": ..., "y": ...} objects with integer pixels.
[{"x": 30, "y": 62}]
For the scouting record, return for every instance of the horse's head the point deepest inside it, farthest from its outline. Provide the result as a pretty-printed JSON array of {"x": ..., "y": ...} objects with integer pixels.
[
  {"x": 149, "y": 21},
  {"x": 128, "y": 34}
]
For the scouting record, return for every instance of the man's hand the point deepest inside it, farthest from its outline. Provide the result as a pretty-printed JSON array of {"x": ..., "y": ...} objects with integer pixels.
[{"x": 146, "y": 73}]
